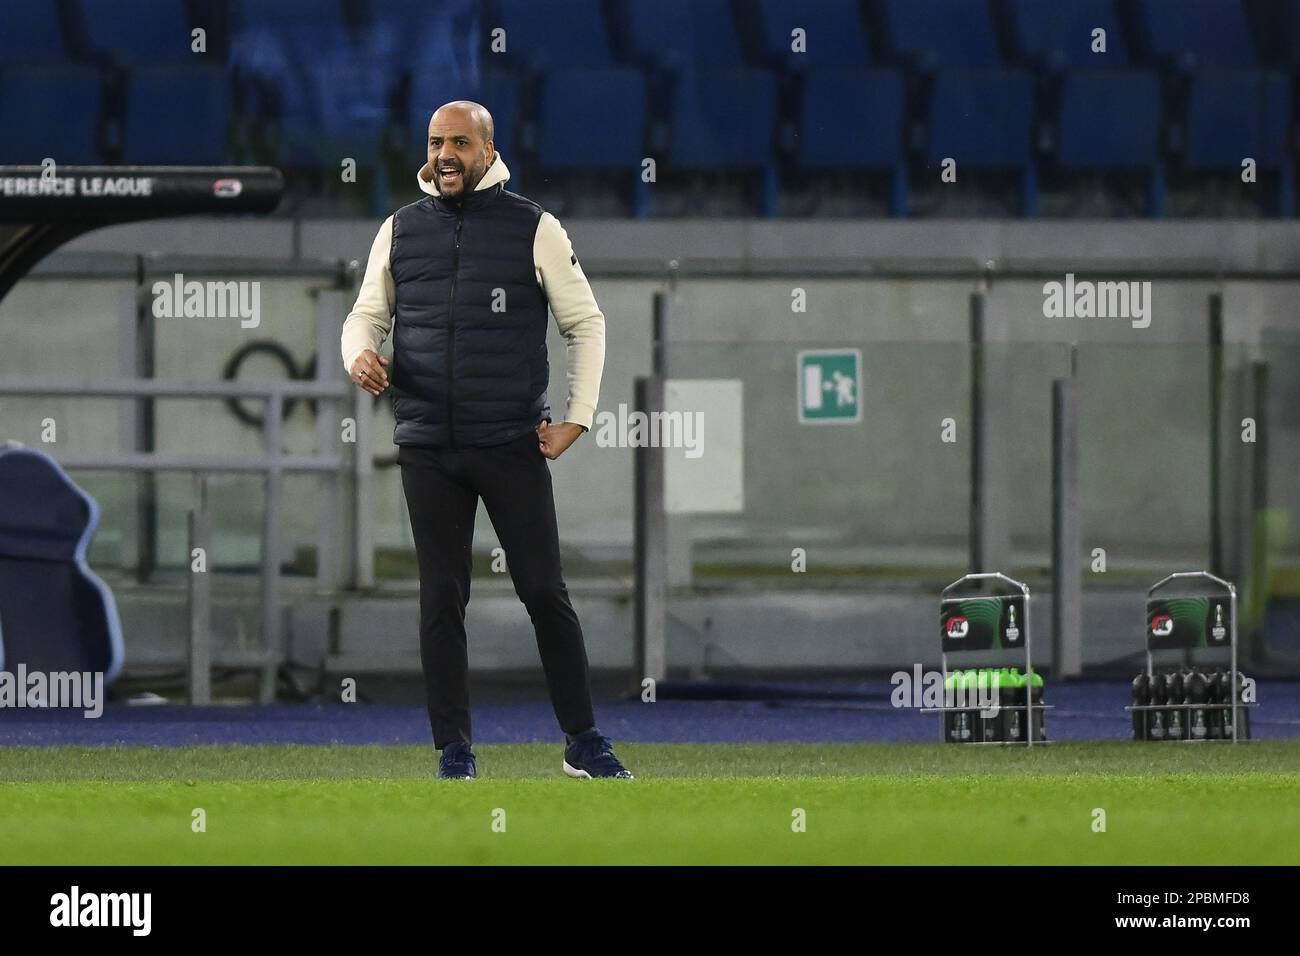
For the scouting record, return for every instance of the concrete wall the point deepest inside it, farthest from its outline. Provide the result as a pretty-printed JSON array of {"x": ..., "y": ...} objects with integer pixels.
[{"x": 886, "y": 492}]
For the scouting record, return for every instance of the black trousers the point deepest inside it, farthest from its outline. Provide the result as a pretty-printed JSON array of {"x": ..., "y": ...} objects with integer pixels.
[{"x": 442, "y": 487}]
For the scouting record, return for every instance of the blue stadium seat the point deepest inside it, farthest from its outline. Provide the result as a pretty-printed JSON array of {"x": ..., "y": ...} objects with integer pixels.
[
  {"x": 1198, "y": 33},
  {"x": 273, "y": 48},
  {"x": 49, "y": 111},
  {"x": 276, "y": 47},
  {"x": 1109, "y": 120},
  {"x": 306, "y": 27},
  {"x": 41, "y": 38},
  {"x": 139, "y": 32},
  {"x": 855, "y": 119},
  {"x": 350, "y": 101},
  {"x": 1058, "y": 33},
  {"x": 328, "y": 98},
  {"x": 499, "y": 92},
  {"x": 56, "y": 615},
  {"x": 337, "y": 109},
  {"x": 984, "y": 119},
  {"x": 683, "y": 34},
  {"x": 592, "y": 119},
  {"x": 1232, "y": 114},
  {"x": 411, "y": 34},
  {"x": 709, "y": 132},
  {"x": 176, "y": 115},
  {"x": 833, "y": 33},
  {"x": 851, "y": 119},
  {"x": 942, "y": 32},
  {"x": 1281, "y": 32},
  {"x": 555, "y": 34}
]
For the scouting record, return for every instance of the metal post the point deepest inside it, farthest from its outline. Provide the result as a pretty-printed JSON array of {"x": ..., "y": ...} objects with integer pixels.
[
  {"x": 200, "y": 601},
  {"x": 1029, "y": 671},
  {"x": 130, "y": 425},
  {"x": 943, "y": 669},
  {"x": 1216, "y": 415},
  {"x": 658, "y": 332},
  {"x": 363, "y": 467},
  {"x": 330, "y": 309},
  {"x": 1232, "y": 681},
  {"x": 650, "y": 543},
  {"x": 976, "y": 560},
  {"x": 147, "y": 500},
  {"x": 990, "y": 540},
  {"x": 677, "y": 528},
  {"x": 271, "y": 549},
  {"x": 1067, "y": 586},
  {"x": 1257, "y": 581}
]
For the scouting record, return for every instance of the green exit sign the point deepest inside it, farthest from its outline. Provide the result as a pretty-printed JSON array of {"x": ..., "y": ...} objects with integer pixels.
[{"x": 830, "y": 386}]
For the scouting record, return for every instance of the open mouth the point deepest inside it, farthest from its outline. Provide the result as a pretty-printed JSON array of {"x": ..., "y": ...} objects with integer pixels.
[{"x": 448, "y": 177}]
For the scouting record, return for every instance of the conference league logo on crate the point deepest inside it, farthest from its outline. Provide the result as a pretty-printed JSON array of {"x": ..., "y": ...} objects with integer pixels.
[
  {"x": 982, "y": 623},
  {"x": 1188, "y": 622}
]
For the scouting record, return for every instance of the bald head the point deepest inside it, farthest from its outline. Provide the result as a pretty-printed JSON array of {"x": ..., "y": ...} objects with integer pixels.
[
  {"x": 467, "y": 111},
  {"x": 460, "y": 147}
]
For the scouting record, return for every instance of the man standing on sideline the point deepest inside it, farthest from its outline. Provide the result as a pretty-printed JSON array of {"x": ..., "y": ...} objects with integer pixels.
[{"x": 468, "y": 273}]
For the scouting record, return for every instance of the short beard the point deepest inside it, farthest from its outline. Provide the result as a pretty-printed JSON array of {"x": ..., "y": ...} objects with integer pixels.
[
  {"x": 471, "y": 178},
  {"x": 468, "y": 181}
]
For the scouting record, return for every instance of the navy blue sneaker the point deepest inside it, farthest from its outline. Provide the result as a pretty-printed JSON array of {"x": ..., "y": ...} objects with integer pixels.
[
  {"x": 590, "y": 755},
  {"x": 457, "y": 763}
]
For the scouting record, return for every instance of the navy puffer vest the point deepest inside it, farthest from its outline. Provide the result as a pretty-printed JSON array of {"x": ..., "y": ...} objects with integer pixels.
[{"x": 469, "y": 335}]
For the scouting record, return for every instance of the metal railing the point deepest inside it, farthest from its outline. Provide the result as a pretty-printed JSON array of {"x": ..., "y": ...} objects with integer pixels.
[
  {"x": 651, "y": 540},
  {"x": 273, "y": 464}
]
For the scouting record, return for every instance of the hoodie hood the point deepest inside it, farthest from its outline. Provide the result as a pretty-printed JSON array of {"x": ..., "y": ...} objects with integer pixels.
[{"x": 496, "y": 173}]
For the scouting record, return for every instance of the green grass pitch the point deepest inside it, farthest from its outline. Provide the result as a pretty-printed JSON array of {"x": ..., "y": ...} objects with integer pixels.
[{"x": 697, "y": 803}]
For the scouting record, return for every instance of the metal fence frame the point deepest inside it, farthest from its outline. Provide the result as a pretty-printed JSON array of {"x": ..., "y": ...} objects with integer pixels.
[
  {"x": 139, "y": 390},
  {"x": 273, "y": 465},
  {"x": 649, "y": 546}
]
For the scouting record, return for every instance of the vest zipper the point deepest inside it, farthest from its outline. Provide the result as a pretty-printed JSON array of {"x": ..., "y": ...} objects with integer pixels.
[{"x": 451, "y": 333}]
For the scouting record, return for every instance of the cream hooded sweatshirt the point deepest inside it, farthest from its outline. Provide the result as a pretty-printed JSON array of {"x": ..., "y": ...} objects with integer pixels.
[{"x": 577, "y": 316}]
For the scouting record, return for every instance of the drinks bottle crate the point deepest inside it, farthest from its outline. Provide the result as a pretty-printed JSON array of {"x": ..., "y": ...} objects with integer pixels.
[
  {"x": 990, "y": 705},
  {"x": 1193, "y": 702}
]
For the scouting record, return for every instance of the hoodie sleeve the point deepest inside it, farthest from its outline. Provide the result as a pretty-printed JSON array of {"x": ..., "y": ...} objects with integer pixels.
[
  {"x": 371, "y": 318},
  {"x": 577, "y": 316}
]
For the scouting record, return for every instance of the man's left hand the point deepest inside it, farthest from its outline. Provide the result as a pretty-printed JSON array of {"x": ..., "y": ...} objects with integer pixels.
[{"x": 554, "y": 439}]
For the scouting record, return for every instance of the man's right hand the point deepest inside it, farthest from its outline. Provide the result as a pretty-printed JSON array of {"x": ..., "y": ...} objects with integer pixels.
[{"x": 370, "y": 372}]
